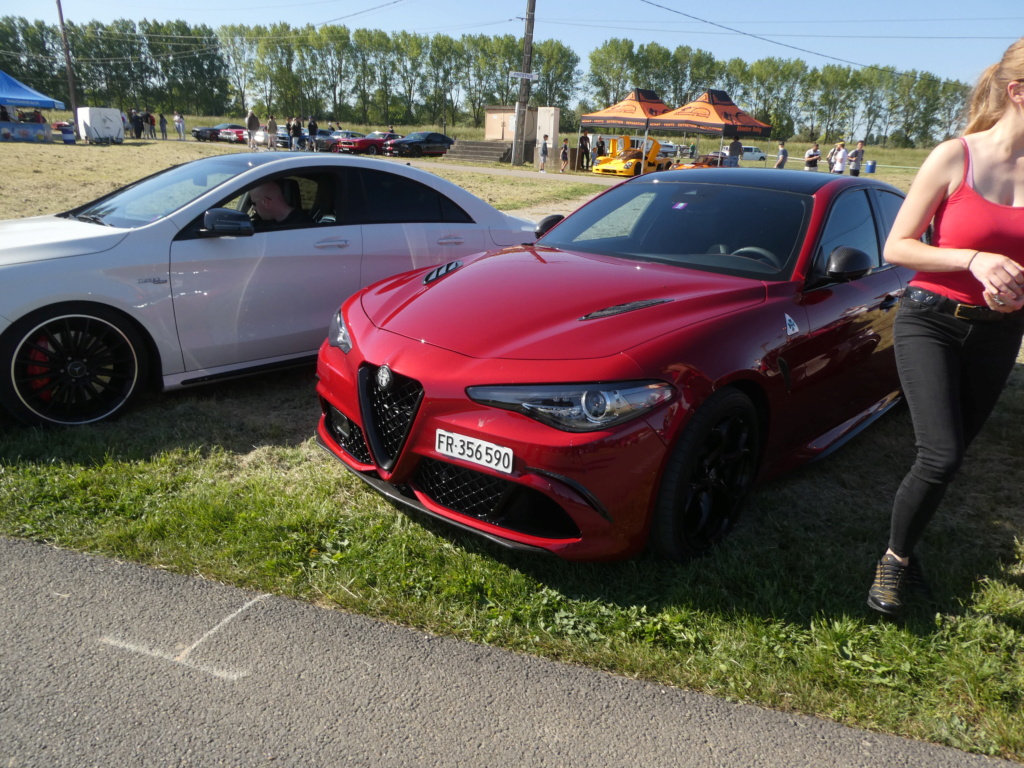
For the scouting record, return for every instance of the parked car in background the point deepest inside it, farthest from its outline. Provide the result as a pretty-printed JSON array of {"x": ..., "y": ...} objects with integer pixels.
[
  {"x": 327, "y": 141},
  {"x": 234, "y": 135},
  {"x": 631, "y": 160},
  {"x": 175, "y": 280},
  {"x": 207, "y": 133},
  {"x": 371, "y": 144},
  {"x": 418, "y": 144},
  {"x": 623, "y": 382},
  {"x": 710, "y": 160},
  {"x": 753, "y": 153}
]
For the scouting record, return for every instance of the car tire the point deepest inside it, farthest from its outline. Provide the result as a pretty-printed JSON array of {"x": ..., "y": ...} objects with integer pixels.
[
  {"x": 71, "y": 364},
  {"x": 636, "y": 170},
  {"x": 371, "y": 150},
  {"x": 417, "y": 151},
  {"x": 708, "y": 477},
  {"x": 336, "y": 148}
]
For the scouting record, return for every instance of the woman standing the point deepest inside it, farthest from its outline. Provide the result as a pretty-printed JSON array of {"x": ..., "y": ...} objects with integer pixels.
[
  {"x": 563, "y": 155},
  {"x": 958, "y": 330}
]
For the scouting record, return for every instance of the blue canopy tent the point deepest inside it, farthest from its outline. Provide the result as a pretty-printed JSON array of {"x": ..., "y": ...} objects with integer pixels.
[{"x": 17, "y": 94}]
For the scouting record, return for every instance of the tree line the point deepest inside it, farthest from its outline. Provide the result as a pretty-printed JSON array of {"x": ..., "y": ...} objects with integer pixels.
[{"x": 373, "y": 77}]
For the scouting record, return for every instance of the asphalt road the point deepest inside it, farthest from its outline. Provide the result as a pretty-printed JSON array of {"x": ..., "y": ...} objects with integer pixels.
[{"x": 114, "y": 665}]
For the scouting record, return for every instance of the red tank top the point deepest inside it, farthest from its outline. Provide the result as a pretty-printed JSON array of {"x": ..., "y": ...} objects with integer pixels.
[{"x": 965, "y": 219}]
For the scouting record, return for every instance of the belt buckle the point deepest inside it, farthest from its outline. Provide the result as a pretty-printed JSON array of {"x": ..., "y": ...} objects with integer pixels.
[{"x": 965, "y": 307}]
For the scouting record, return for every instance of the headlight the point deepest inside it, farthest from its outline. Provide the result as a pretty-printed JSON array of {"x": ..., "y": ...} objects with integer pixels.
[
  {"x": 577, "y": 407},
  {"x": 628, "y": 164},
  {"x": 337, "y": 334}
]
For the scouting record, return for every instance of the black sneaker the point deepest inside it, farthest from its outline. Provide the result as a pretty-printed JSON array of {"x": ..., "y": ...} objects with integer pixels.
[{"x": 890, "y": 577}]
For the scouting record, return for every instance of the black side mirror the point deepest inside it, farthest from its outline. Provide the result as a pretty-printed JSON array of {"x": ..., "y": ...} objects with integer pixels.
[
  {"x": 225, "y": 222},
  {"x": 846, "y": 264},
  {"x": 547, "y": 223}
]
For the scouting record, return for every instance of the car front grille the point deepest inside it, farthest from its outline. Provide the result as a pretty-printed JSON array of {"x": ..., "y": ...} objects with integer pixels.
[
  {"x": 347, "y": 435},
  {"x": 462, "y": 490},
  {"x": 388, "y": 408},
  {"x": 494, "y": 500}
]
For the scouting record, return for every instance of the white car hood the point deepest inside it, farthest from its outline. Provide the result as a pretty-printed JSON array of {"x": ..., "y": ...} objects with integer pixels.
[{"x": 52, "y": 237}]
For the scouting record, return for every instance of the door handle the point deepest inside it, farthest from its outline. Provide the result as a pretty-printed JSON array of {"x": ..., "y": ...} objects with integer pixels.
[
  {"x": 332, "y": 243},
  {"x": 889, "y": 301},
  {"x": 451, "y": 240}
]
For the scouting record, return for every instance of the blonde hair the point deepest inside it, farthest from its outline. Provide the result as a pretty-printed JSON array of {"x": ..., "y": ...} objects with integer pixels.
[{"x": 989, "y": 100}]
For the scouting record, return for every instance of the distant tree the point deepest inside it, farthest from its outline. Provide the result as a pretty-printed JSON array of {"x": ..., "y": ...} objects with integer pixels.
[
  {"x": 558, "y": 74},
  {"x": 611, "y": 71}
]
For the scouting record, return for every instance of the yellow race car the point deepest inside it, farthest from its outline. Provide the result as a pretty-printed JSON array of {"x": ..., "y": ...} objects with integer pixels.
[{"x": 629, "y": 161}]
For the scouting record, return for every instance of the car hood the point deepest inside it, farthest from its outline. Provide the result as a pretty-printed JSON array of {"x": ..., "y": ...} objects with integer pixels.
[
  {"x": 545, "y": 304},
  {"x": 53, "y": 237}
]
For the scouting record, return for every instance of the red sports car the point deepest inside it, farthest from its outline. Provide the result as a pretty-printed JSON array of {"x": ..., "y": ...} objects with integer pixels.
[
  {"x": 627, "y": 379},
  {"x": 372, "y": 144}
]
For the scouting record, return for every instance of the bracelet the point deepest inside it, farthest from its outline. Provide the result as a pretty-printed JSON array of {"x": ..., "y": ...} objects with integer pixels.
[{"x": 971, "y": 261}]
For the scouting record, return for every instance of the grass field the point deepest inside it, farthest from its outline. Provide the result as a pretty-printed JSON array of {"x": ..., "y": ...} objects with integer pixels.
[{"x": 226, "y": 483}]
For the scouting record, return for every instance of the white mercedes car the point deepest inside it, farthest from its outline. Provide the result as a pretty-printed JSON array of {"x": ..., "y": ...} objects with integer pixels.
[{"x": 175, "y": 280}]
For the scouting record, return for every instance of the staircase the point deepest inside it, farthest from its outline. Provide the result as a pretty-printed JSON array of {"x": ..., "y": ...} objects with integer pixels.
[{"x": 486, "y": 151}]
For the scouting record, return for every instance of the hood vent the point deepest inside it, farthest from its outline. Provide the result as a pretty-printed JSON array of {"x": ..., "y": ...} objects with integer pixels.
[
  {"x": 437, "y": 274},
  {"x": 620, "y": 309}
]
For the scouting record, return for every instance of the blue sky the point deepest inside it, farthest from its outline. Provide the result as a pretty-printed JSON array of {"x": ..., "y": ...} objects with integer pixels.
[{"x": 937, "y": 36}]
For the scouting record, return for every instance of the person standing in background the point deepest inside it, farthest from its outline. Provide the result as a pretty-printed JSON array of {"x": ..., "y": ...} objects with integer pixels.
[
  {"x": 252, "y": 124},
  {"x": 839, "y": 157},
  {"x": 811, "y": 158},
  {"x": 163, "y": 127},
  {"x": 564, "y": 155},
  {"x": 583, "y": 154},
  {"x": 856, "y": 157},
  {"x": 780, "y": 161},
  {"x": 543, "y": 153},
  {"x": 735, "y": 153},
  {"x": 179, "y": 125},
  {"x": 272, "y": 132}
]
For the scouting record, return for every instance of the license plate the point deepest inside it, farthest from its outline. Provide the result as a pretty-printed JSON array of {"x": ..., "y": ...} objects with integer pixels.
[{"x": 480, "y": 452}]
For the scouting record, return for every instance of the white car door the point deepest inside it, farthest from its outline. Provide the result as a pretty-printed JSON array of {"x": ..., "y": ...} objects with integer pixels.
[
  {"x": 260, "y": 298},
  {"x": 408, "y": 225}
]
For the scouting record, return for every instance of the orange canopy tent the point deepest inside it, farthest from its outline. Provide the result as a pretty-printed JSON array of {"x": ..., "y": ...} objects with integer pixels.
[
  {"x": 713, "y": 113},
  {"x": 634, "y": 111}
]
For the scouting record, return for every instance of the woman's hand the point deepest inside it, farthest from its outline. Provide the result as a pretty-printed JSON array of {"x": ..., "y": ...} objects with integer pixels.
[{"x": 1002, "y": 280}]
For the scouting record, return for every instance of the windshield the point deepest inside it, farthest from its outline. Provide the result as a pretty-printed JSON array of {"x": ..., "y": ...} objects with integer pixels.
[
  {"x": 417, "y": 136},
  {"x": 158, "y": 196},
  {"x": 743, "y": 231}
]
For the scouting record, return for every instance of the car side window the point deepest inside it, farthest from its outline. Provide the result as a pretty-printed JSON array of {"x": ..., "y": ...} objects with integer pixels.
[
  {"x": 311, "y": 199},
  {"x": 394, "y": 199},
  {"x": 850, "y": 223},
  {"x": 888, "y": 206}
]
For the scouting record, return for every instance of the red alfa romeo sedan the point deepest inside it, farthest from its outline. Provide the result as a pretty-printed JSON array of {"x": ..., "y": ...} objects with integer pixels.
[{"x": 626, "y": 380}]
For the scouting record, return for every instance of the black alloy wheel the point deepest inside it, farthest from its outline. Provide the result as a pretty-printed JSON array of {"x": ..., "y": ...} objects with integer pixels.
[
  {"x": 70, "y": 365},
  {"x": 372, "y": 149},
  {"x": 708, "y": 477},
  {"x": 417, "y": 150}
]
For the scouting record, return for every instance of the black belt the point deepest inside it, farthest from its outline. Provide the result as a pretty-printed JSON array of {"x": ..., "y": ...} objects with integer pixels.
[{"x": 947, "y": 306}]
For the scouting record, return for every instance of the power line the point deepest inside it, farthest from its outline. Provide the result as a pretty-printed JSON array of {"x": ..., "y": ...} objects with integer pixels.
[{"x": 787, "y": 45}]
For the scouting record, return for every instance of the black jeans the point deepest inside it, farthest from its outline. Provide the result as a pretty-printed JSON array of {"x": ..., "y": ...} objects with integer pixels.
[{"x": 952, "y": 372}]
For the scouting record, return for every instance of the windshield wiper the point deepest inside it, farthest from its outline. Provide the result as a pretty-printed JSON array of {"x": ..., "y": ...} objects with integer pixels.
[{"x": 92, "y": 218}]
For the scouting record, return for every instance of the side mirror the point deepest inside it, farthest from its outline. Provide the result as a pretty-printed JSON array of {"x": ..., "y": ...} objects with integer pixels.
[
  {"x": 546, "y": 224},
  {"x": 846, "y": 264},
  {"x": 224, "y": 222}
]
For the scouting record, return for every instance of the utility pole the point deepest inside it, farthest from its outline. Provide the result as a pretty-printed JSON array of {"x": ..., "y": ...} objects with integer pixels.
[
  {"x": 519, "y": 141},
  {"x": 67, "y": 64}
]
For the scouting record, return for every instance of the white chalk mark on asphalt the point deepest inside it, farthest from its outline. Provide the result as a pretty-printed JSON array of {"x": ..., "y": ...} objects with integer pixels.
[{"x": 182, "y": 657}]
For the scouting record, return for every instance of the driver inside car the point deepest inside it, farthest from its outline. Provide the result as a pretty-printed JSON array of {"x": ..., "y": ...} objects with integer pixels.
[{"x": 277, "y": 203}]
